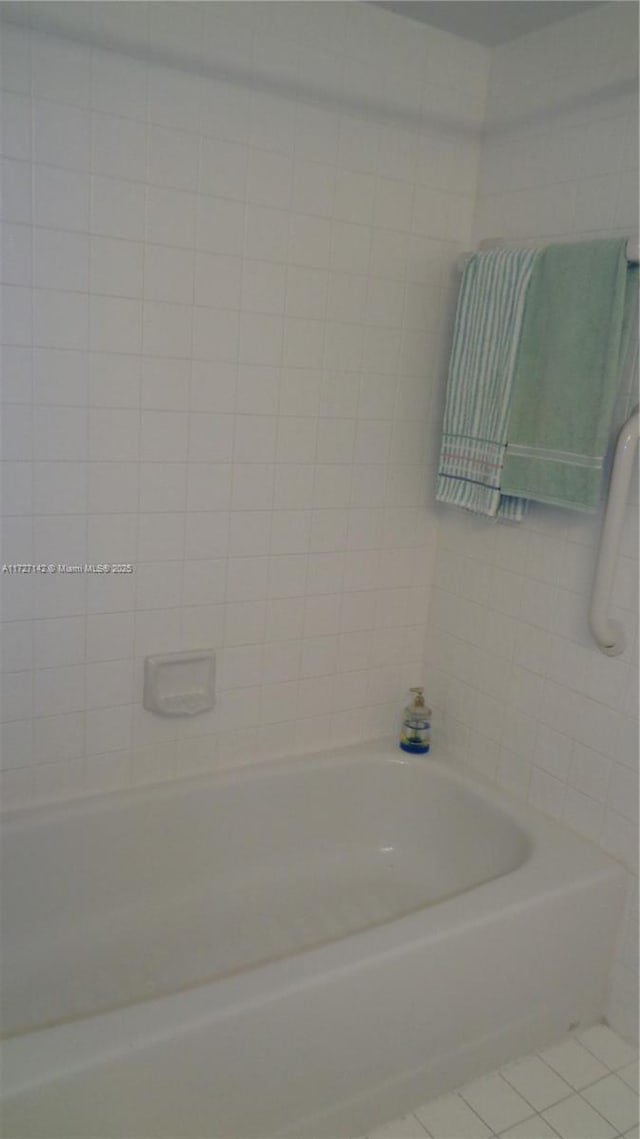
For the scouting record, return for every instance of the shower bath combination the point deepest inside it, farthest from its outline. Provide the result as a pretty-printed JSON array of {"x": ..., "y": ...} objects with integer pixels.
[{"x": 233, "y": 239}]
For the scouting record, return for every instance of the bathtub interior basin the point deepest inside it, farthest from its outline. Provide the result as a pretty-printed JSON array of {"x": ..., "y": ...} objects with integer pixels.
[{"x": 114, "y": 900}]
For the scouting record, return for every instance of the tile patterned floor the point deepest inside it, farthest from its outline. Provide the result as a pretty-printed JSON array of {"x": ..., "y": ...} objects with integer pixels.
[{"x": 585, "y": 1087}]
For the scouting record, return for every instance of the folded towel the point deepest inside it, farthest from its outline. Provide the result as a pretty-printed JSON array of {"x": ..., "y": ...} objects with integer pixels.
[
  {"x": 486, "y": 336},
  {"x": 566, "y": 373}
]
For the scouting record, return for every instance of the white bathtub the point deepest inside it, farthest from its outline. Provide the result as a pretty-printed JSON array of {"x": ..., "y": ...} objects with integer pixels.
[{"x": 304, "y": 948}]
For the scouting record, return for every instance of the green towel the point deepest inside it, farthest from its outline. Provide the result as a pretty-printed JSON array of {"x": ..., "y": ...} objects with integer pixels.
[
  {"x": 489, "y": 316},
  {"x": 580, "y": 300}
]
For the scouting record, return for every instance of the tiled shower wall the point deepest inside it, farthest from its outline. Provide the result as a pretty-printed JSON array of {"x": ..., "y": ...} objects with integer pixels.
[
  {"x": 228, "y": 250},
  {"x": 519, "y": 687}
]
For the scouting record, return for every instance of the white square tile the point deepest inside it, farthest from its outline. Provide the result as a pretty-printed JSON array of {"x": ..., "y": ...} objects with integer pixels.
[
  {"x": 261, "y": 339},
  {"x": 293, "y": 486},
  {"x": 537, "y": 1082},
  {"x": 118, "y": 85},
  {"x": 60, "y": 320},
  {"x": 296, "y": 439},
  {"x": 213, "y": 387},
  {"x": 210, "y": 438},
  {"x": 119, "y": 147},
  {"x": 309, "y": 241},
  {"x": 333, "y": 485},
  {"x": 316, "y": 133},
  {"x": 254, "y": 439},
  {"x": 167, "y": 329},
  {"x": 17, "y": 646},
  {"x": 173, "y": 97},
  {"x": 290, "y": 531},
  {"x": 111, "y": 537},
  {"x": 249, "y": 532},
  {"x": 247, "y": 579},
  {"x": 354, "y": 197},
  {"x": 630, "y": 1075},
  {"x": 263, "y": 287},
  {"x": 61, "y": 136},
  {"x": 406, "y": 1128},
  {"x": 287, "y": 575},
  {"x": 114, "y": 434},
  {"x": 15, "y": 57},
  {"x": 170, "y": 217},
  {"x": 573, "y": 1118},
  {"x": 109, "y": 636},
  {"x": 281, "y": 662},
  {"x": 165, "y": 384},
  {"x": 223, "y": 169},
  {"x": 60, "y": 433},
  {"x": 117, "y": 208},
  {"x": 304, "y": 343},
  {"x": 269, "y": 179},
  {"x": 60, "y": 377},
  {"x": 220, "y": 225},
  {"x": 204, "y": 581},
  {"x": 266, "y": 234},
  {"x": 451, "y": 1118},
  {"x": 202, "y": 627},
  {"x": 172, "y": 158},
  {"x": 114, "y": 380},
  {"x": 217, "y": 281},
  {"x": 108, "y": 730},
  {"x": 16, "y": 374},
  {"x": 17, "y": 311},
  {"x": 257, "y": 389},
  {"x": 59, "y": 690},
  {"x": 160, "y": 537},
  {"x": 272, "y": 122},
  {"x": 252, "y": 486},
  {"x": 350, "y": 247},
  {"x": 225, "y": 110},
  {"x": 17, "y": 745},
  {"x": 245, "y": 625},
  {"x": 534, "y": 1128},
  {"x": 207, "y": 534},
  {"x": 617, "y": 1102},
  {"x": 163, "y": 436},
  {"x": 313, "y": 188},
  {"x": 16, "y": 192},
  {"x": 163, "y": 486},
  {"x": 496, "y": 1102},
  {"x": 19, "y": 695},
  {"x": 61, "y": 70},
  {"x": 168, "y": 274},
  {"x": 115, "y": 324},
  {"x": 208, "y": 486},
  {"x": 300, "y": 390},
  {"x": 306, "y": 292},
  {"x": 59, "y": 641},
  {"x": 109, "y": 683},
  {"x": 58, "y": 781},
  {"x": 216, "y": 335},
  {"x": 61, "y": 260},
  {"x": 607, "y": 1046}
]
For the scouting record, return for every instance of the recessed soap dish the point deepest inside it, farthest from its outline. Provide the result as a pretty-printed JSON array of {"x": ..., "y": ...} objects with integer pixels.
[{"x": 179, "y": 684}]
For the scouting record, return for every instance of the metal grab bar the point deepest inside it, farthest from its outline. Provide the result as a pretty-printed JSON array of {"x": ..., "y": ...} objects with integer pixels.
[{"x": 608, "y": 633}]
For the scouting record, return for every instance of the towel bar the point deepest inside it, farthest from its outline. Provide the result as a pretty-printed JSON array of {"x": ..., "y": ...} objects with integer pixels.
[
  {"x": 633, "y": 250},
  {"x": 609, "y": 634}
]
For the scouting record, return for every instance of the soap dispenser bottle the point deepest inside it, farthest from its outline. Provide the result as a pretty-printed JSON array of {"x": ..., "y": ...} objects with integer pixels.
[{"x": 416, "y": 725}]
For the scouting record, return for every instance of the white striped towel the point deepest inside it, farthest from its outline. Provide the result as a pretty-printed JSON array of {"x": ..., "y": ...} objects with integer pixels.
[{"x": 485, "y": 344}]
